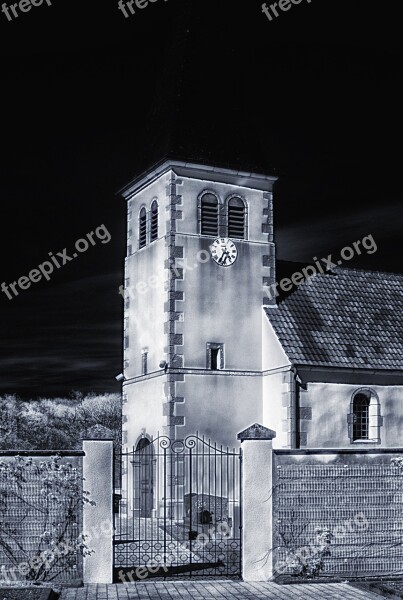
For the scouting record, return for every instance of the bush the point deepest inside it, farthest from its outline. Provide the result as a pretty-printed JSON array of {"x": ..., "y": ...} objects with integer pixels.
[
  {"x": 60, "y": 423},
  {"x": 40, "y": 507}
]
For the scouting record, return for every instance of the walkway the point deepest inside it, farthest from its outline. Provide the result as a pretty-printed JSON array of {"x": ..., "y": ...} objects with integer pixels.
[{"x": 217, "y": 590}]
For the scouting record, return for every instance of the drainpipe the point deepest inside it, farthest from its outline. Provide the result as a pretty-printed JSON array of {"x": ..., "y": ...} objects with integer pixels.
[{"x": 295, "y": 412}]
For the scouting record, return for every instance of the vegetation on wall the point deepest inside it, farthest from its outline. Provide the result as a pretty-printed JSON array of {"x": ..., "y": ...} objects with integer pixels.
[{"x": 40, "y": 514}]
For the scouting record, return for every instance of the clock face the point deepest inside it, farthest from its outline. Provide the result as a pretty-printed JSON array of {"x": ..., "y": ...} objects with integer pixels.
[{"x": 224, "y": 252}]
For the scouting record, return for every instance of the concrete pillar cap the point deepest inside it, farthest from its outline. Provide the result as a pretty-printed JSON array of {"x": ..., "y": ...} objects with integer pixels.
[{"x": 256, "y": 432}]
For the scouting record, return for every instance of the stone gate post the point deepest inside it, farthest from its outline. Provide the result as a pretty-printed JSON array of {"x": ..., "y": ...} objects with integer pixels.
[
  {"x": 257, "y": 504},
  {"x": 98, "y": 519}
]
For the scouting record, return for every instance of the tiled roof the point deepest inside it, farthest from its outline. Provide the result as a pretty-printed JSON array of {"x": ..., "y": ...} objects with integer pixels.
[{"x": 343, "y": 318}]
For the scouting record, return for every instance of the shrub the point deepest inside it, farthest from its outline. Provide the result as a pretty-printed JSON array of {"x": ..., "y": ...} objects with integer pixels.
[{"x": 40, "y": 508}]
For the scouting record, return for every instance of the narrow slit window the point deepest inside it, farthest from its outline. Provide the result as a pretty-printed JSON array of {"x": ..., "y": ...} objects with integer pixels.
[
  {"x": 154, "y": 221},
  {"x": 142, "y": 228},
  {"x": 209, "y": 215},
  {"x": 361, "y": 417},
  {"x": 215, "y": 356},
  {"x": 144, "y": 365},
  {"x": 236, "y": 218}
]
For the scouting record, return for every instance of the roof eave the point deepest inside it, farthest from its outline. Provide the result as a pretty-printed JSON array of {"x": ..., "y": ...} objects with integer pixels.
[{"x": 199, "y": 171}]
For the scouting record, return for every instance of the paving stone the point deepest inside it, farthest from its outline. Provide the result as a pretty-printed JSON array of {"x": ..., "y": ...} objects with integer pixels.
[{"x": 218, "y": 590}]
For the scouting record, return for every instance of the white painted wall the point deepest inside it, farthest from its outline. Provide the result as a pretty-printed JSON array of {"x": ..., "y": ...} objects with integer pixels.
[
  {"x": 143, "y": 409},
  {"x": 220, "y": 406},
  {"x": 274, "y": 413},
  {"x": 273, "y": 353},
  {"x": 330, "y": 404},
  {"x": 275, "y": 364}
]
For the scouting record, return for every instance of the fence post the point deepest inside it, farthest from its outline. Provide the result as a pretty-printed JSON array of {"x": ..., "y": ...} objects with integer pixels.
[
  {"x": 257, "y": 504},
  {"x": 98, "y": 519}
]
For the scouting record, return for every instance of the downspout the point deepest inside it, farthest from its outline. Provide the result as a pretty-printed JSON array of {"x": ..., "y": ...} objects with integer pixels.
[{"x": 295, "y": 409}]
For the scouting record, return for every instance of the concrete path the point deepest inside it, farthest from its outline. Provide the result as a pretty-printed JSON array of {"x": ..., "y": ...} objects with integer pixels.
[{"x": 217, "y": 590}]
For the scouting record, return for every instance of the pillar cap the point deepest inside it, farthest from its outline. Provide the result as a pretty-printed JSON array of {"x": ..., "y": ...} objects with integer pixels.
[{"x": 256, "y": 432}]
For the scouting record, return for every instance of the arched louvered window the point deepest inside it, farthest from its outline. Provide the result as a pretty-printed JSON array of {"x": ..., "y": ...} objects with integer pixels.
[
  {"x": 361, "y": 417},
  {"x": 236, "y": 218},
  {"x": 142, "y": 228},
  {"x": 154, "y": 221},
  {"x": 209, "y": 215}
]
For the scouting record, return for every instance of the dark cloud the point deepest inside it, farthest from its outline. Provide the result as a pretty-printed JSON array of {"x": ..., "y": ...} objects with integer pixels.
[{"x": 62, "y": 338}]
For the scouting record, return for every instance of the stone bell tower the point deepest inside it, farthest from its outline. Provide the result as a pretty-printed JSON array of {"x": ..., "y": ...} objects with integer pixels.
[{"x": 200, "y": 251}]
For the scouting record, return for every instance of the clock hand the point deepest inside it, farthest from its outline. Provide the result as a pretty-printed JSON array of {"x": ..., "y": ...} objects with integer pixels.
[{"x": 224, "y": 257}]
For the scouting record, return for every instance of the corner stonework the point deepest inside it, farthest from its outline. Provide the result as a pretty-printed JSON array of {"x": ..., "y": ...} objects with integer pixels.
[
  {"x": 174, "y": 274},
  {"x": 268, "y": 260}
]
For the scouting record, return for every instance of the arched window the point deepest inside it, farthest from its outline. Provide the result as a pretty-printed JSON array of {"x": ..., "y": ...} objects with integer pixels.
[
  {"x": 236, "y": 218},
  {"x": 142, "y": 228},
  {"x": 209, "y": 215},
  {"x": 361, "y": 417},
  {"x": 365, "y": 418},
  {"x": 154, "y": 221}
]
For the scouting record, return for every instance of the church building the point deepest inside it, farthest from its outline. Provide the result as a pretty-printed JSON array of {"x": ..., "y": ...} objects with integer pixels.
[{"x": 206, "y": 348}]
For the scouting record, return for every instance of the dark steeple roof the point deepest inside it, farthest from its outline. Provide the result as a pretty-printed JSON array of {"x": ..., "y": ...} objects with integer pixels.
[{"x": 203, "y": 105}]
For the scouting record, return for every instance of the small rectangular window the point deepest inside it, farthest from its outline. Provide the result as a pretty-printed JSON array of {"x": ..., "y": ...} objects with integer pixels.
[
  {"x": 144, "y": 366},
  {"x": 215, "y": 356}
]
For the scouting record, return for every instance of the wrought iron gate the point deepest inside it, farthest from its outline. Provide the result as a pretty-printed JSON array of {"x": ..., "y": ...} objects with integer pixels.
[{"x": 178, "y": 512}]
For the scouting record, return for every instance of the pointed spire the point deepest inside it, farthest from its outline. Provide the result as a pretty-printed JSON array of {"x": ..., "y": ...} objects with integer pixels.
[{"x": 203, "y": 107}]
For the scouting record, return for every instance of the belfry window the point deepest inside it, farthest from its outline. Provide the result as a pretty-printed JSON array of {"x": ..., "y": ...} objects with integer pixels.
[
  {"x": 209, "y": 215},
  {"x": 142, "y": 228},
  {"x": 154, "y": 221},
  {"x": 236, "y": 218}
]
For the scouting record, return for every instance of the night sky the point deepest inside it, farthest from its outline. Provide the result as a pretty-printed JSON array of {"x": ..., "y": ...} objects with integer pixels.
[{"x": 88, "y": 98}]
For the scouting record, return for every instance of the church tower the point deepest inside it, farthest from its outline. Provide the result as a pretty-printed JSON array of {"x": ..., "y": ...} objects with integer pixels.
[
  {"x": 200, "y": 246},
  {"x": 200, "y": 252}
]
